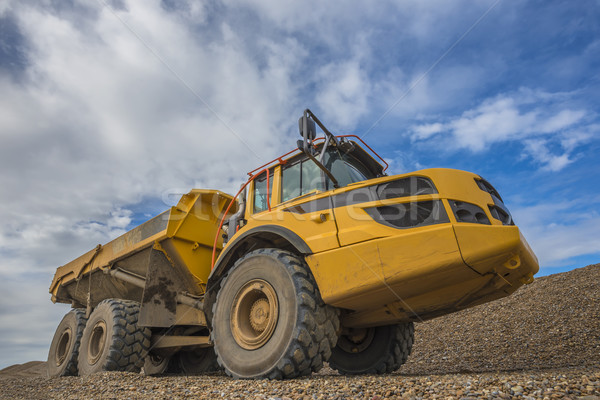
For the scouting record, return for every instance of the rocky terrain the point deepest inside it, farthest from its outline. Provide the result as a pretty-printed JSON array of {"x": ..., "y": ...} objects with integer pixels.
[{"x": 541, "y": 342}]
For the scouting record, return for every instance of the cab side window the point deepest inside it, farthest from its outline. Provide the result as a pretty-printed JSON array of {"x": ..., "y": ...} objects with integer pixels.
[
  {"x": 300, "y": 178},
  {"x": 260, "y": 191},
  {"x": 290, "y": 182}
]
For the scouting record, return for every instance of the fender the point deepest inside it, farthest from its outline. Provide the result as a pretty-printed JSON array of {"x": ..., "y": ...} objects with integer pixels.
[
  {"x": 264, "y": 233},
  {"x": 260, "y": 236}
]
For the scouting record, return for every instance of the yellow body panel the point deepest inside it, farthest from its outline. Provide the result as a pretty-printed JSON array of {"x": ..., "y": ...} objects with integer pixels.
[
  {"x": 381, "y": 274},
  {"x": 348, "y": 275},
  {"x": 318, "y": 229},
  {"x": 355, "y": 225},
  {"x": 499, "y": 249}
]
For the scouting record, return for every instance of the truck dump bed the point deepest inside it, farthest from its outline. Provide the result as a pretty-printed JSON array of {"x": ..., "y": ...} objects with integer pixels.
[{"x": 182, "y": 239}]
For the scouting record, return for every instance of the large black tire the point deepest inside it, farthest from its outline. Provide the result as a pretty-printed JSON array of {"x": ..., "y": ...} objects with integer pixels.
[
  {"x": 112, "y": 339},
  {"x": 198, "y": 361},
  {"x": 64, "y": 349},
  {"x": 378, "y": 350},
  {"x": 269, "y": 320}
]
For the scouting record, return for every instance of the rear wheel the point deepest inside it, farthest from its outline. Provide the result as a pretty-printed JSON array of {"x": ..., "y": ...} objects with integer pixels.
[
  {"x": 64, "y": 349},
  {"x": 198, "y": 361},
  {"x": 112, "y": 339},
  {"x": 155, "y": 364},
  {"x": 377, "y": 350},
  {"x": 269, "y": 320}
]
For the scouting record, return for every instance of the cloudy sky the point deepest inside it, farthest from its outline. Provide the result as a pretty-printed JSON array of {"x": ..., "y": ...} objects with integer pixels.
[{"x": 109, "y": 110}]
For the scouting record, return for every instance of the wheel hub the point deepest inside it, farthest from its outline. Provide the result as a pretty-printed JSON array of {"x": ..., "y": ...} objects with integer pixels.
[
  {"x": 259, "y": 315},
  {"x": 254, "y": 314},
  {"x": 63, "y": 347},
  {"x": 356, "y": 340},
  {"x": 97, "y": 342},
  {"x": 156, "y": 360}
]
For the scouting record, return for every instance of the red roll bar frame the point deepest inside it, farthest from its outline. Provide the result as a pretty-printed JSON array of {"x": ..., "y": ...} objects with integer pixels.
[{"x": 265, "y": 167}]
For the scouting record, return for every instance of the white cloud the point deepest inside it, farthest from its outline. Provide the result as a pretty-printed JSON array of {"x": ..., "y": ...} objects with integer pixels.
[
  {"x": 558, "y": 243},
  {"x": 538, "y": 150},
  {"x": 564, "y": 119},
  {"x": 559, "y": 231},
  {"x": 535, "y": 118},
  {"x": 493, "y": 121},
  {"x": 343, "y": 93},
  {"x": 27, "y": 317},
  {"x": 428, "y": 130},
  {"x": 574, "y": 138}
]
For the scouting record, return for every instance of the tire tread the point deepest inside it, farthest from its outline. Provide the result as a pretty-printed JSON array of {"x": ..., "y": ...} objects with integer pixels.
[
  {"x": 71, "y": 368},
  {"x": 130, "y": 342},
  {"x": 399, "y": 348},
  {"x": 317, "y": 324}
]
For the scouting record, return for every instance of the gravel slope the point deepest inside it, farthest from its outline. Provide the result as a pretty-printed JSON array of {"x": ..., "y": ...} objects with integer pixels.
[
  {"x": 554, "y": 322},
  {"x": 541, "y": 342}
]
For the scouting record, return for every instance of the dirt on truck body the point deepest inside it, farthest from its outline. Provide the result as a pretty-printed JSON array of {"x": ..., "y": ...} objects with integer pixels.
[{"x": 321, "y": 256}]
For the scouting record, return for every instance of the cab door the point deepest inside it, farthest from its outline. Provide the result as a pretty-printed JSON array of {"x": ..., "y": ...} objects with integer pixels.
[{"x": 299, "y": 204}]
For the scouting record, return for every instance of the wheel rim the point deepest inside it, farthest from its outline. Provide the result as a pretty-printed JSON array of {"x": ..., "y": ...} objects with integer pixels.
[
  {"x": 97, "y": 341},
  {"x": 156, "y": 360},
  {"x": 254, "y": 314},
  {"x": 357, "y": 340},
  {"x": 63, "y": 347}
]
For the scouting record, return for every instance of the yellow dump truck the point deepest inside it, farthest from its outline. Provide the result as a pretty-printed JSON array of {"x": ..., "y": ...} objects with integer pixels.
[{"x": 321, "y": 257}]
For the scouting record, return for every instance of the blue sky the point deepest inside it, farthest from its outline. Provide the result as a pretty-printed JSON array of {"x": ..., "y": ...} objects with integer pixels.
[{"x": 111, "y": 109}]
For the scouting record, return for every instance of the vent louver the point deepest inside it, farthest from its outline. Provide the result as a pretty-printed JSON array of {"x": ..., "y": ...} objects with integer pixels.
[
  {"x": 498, "y": 210},
  {"x": 467, "y": 212},
  {"x": 410, "y": 215}
]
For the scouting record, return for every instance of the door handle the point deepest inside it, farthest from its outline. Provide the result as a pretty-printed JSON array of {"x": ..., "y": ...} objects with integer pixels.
[{"x": 319, "y": 218}]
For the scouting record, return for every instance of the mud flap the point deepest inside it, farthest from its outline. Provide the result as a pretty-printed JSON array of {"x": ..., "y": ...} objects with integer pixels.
[{"x": 159, "y": 300}]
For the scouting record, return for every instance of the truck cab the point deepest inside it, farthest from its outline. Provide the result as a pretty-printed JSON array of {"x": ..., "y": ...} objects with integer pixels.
[{"x": 385, "y": 249}]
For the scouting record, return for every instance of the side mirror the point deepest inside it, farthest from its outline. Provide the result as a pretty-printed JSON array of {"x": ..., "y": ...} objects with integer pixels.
[
  {"x": 308, "y": 131},
  {"x": 307, "y": 127}
]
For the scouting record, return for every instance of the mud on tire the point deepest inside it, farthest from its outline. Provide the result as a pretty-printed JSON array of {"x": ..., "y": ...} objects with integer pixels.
[
  {"x": 112, "y": 339},
  {"x": 64, "y": 349},
  {"x": 377, "y": 350},
  {"x": 290, "y": 331}
]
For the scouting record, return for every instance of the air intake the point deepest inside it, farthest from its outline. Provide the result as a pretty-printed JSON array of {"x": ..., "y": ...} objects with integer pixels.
[
  {"x": 467, "y": 212},
  {"x": 498, "y": 210},
  {"x": 501, "y": 214},
  {"x": 487, "y": 187},
  {"x": 410, "y": 215}
]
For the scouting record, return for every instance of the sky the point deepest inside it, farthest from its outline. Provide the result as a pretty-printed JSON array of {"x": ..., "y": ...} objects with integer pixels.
[{"x": 110, "y": 110}]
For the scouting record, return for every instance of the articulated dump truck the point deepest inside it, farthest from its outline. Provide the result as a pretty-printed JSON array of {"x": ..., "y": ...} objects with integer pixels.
[{"x": 320, "y": 257}]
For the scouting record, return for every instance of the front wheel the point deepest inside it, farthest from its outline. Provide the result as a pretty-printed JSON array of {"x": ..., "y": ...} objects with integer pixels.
[
  {"x": 269, "y": 320},
  {"x": 377, "y": 350}
]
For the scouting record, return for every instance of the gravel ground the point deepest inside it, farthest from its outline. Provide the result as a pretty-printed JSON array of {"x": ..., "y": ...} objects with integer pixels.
[
  {"x": 571, "y": 383},
  {"x": 542, "y": 342}
]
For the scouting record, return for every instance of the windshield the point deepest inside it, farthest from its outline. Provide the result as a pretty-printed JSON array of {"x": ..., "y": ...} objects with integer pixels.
[
  {"x": 301, "y": 175},
  {"x": 345, "y": 168}
]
